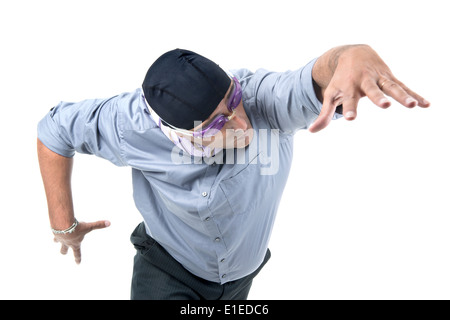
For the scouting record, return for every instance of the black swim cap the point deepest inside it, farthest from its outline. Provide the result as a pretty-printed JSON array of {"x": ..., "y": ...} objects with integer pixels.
[{"x": 182, "y": 87}]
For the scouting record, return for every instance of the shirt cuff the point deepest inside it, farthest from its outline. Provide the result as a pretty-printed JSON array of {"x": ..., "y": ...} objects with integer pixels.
[
  {"x": 309, "y": 94},
  {"x": 48, "y": 134}
]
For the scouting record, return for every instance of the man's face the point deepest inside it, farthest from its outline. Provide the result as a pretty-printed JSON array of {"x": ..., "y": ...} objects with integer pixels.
[{"x": 236, "y": 133}]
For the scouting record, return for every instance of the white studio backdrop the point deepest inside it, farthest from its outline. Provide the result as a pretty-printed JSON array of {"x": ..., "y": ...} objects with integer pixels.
[{"x": 365, "y": 214}]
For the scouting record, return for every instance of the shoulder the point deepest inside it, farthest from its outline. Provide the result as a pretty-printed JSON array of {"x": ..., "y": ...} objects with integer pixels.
[
  {"x": 133, "y": 111},
  {"x": 250, "y": 81},
  {"x": 247, "y": 77}
]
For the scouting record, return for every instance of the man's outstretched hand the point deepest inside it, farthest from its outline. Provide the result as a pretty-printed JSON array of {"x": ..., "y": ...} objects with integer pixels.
[
  {"x": 73, "y": 240},
  {"x": 347, "y": 74}
]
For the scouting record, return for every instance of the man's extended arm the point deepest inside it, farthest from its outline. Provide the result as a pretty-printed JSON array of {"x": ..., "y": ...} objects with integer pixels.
[
  {"x": 346, "y": 74},
  {"x": 56, "y": 172},
  {"x": 91, "y": 126}
]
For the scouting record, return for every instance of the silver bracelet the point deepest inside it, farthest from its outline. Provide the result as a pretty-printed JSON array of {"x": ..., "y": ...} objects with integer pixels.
[{"x": 68, "y": 230}]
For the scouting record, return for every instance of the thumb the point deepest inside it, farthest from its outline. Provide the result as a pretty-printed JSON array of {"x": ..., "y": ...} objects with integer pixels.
[
  {"x": 325, "y": 116},
  {"x": 101, "y": 224}
]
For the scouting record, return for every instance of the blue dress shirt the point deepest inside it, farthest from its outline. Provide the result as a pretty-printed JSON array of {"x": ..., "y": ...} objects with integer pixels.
[{"x": 214, "y": 216}]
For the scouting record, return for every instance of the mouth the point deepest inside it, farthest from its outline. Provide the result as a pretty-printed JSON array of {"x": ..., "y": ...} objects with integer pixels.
[{"x": 243, "y": 138}]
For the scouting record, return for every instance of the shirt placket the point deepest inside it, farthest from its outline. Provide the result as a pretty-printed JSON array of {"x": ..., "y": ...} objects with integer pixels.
[{"x": 210, "y": 224}]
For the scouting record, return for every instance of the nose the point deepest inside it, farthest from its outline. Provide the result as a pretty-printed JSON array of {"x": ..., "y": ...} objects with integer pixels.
[{"x": 239, "y": 123}]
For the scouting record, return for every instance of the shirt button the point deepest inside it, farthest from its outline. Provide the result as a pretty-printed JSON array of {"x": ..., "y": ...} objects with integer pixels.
[
  {"x": 204, "y": 194},
  {"x": 223, "y": 276},
  {"x": 207, "y": 218},
  {"x": 223, "y": 260},
  {"x": 217, "y": 239}
]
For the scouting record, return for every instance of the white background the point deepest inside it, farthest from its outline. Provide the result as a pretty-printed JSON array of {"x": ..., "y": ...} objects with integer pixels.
[{"x": 365, "y": 214}]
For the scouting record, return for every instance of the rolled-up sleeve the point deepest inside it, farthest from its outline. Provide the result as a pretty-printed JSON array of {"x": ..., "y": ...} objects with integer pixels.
[
  {"x": 89, "y": 127},
  {"x": 286, "y": 99}
]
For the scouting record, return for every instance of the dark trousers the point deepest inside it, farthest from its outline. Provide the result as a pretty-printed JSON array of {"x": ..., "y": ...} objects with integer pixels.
[{"x": 158, "y": 276}]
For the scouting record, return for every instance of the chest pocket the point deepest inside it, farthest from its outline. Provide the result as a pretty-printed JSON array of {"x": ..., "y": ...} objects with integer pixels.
[{"x": 242, "y": 190}]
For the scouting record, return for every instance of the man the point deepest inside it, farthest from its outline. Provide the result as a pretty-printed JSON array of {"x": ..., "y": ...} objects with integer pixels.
[{"x": 210, "y": 154}]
